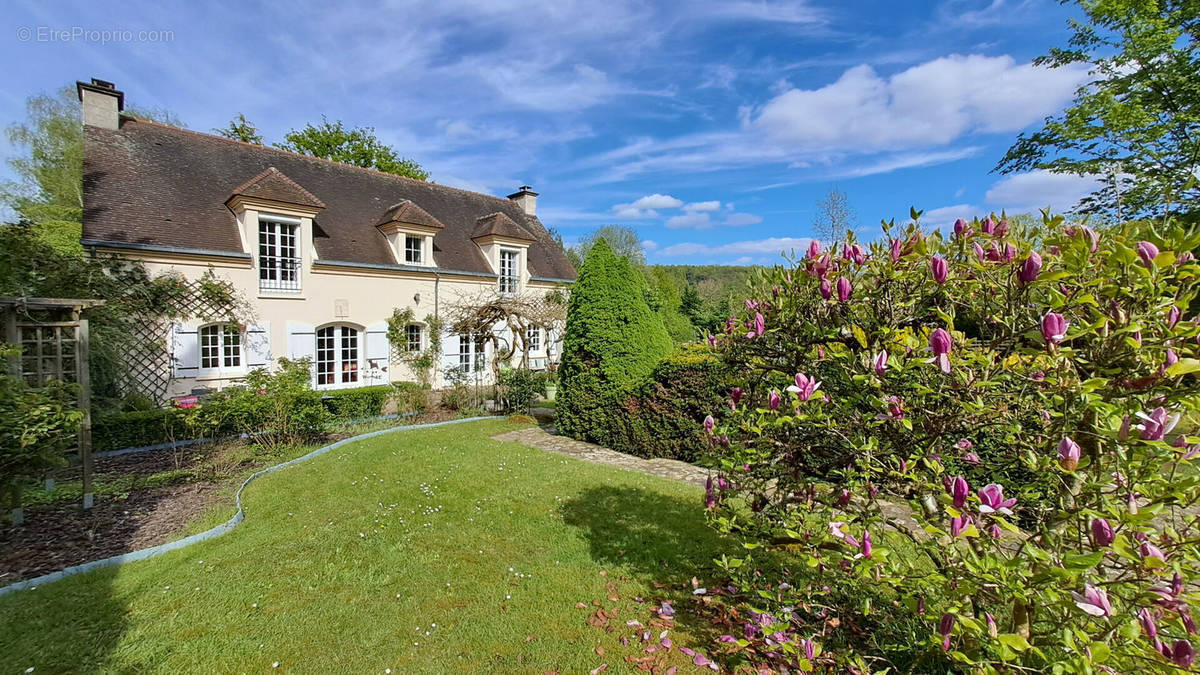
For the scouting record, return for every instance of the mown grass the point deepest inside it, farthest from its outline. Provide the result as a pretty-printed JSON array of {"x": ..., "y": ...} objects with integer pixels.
[{"x": 393, "y": 552}]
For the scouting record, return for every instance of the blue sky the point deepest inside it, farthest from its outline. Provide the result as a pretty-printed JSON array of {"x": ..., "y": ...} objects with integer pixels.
[{"x": 712, "y": 129}]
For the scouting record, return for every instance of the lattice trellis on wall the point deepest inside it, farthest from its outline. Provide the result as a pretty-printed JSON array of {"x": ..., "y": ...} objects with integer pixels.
[{"x": 147, "y": 367}]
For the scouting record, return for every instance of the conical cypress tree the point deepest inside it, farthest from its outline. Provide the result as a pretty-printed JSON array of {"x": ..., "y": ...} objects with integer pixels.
[{"x": 612, "y": 341}]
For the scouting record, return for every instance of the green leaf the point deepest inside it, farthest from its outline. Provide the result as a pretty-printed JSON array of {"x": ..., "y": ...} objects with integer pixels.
[
  {"x": 1079, "y": 563},
  {"x": 1013, "y": 641},
  {"x": 1183, "y": 367},
  {"x": 1100, "y": 652}
]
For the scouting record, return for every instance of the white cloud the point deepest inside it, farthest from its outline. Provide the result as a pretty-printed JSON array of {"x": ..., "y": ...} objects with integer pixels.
[
  {"x": 1028, "y": 192},
  {"x": 649, "y": 245},
  {"x": 946, "y": 215},
  {"x": 647, "y": 206},
  {"x": 657, "y": 201},
  {"x": 703, "y": 220},
  {"x": 713, "y": 205},
  {"x": 929, "y": 104},
  {"x": 773, "y": 246}
]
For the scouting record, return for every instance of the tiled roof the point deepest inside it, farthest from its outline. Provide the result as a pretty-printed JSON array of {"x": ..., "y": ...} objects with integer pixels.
[
  {"x": 407, "y": 212},
  {"x": 501, "y": 225},
  {"x": 158, "y": 185},
  {"x": 273, "y": 185}
]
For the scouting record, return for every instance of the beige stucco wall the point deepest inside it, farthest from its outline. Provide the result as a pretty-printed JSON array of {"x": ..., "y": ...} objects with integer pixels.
[{"x": 357, "y": 296}]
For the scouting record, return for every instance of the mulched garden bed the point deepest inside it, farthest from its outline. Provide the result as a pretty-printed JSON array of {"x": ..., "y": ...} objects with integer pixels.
[{"x": 60, "y": 534}]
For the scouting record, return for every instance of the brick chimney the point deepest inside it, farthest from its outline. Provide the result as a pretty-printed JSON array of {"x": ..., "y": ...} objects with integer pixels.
[
  {"x": 526, "y": 198},
  {"x": 102, "y": 103}
]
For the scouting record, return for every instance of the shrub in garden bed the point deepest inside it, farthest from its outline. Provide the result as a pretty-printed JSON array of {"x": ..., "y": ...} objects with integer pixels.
[
  {"x": 1020, "y": 388},
  {"x": 662, "y": 417},
  {"x": 346, "y": 405},
  {"x": 138, "y": 429}
]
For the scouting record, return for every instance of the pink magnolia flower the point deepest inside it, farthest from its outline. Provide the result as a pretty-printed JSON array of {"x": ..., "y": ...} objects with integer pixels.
[
  {"x": 826, "y": 289},
  {"x": 866, "y": 544},
  {"x": 972, "y": 458},
  {"x": 881, "y": 363},
  {"x": 895, "y": 406},
  {"x": 1068, "y": 454},
  {"x": 959, "y": 524},
  {"x": 1184, "y": 258},
  {"x": 838, "y": 529},
  {"x": 1173, "y": 315},
  {"x": 1172, "y": 359},
  {"x": 978, "y": 251},
  {"x": 940, "y": 344},
  {"x": 989, "y": 226},
  {"x": 709, "y": 423},
  {"x": 964, "y": 444},
  {"x": 843, "y": 289},
  {"x": 857, "y": 254},
  {"x": 959, "y": 490},
  {"x": 1030, "y": 269},
  {"x": 1010, "y": 252},
  {"x": 1147, "y": 251},
  {"x": 1148, "y": 550},
  {"x": 809, "y": 647},
  {"x": 1183, "y": 654},
  {"x": 1157, "y": 424},
  {"x": 1054, "y": 328},
  {"x": 939, "y": 268},
  {"x": 1092, "y": 235},
  {"x": 736, "y": 395},
  {"x": 844, "y": 498},
  {"x": 961, "y": 229},
  {"x": 773, "y": 400},
  {"x": 945, "y": 628},
  {"x": 805, "y": 386},
  {"x": 1146, "y": 619},
  {"x": 814, "y": 248},
  {"x": 991, "y": 498},
  {"x": 710, "y": 495},
  {"x": 896, "y": 248},
  {"x": 1102, "y": 532},
  {"x": 1093, "y": 600},
  {"x": 1001, "y": 228}
]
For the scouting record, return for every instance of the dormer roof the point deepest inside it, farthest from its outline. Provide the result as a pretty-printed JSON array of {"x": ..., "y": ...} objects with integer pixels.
[
  {"x": 272, "y": 185},
  {"x": 499, "y": 225},
  {"x": 408, "y": 213}
]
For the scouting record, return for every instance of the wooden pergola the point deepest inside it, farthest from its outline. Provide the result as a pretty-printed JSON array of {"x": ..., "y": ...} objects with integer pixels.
[{"x": 53, "y": 336}]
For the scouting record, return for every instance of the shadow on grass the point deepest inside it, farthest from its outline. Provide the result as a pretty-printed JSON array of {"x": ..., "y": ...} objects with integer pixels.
[{"x": 662, "y": 540}]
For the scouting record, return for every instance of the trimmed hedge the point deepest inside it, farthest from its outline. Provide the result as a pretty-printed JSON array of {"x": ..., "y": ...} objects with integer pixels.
[
  {"x": 153, "y": 427},
  {"x": 346, "y": 405},
  {"x": 612, "y": 342},
  {"x": 664, "y": 416},
  {"x": 137, "y": 429}
]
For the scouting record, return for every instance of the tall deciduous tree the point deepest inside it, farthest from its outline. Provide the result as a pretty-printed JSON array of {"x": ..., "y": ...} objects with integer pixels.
[
  {"x": 241, "y": 129},
  {"x": 48, "y": 193},
  {"x": 834, "y": 216},
  {"x": 358, "y": 146},
  {"x": 1137, "y": 122},
  {"x": 623, "y": 241}
]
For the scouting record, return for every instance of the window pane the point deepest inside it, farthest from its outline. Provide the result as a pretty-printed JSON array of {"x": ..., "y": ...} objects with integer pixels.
[
  {"x": 209, "y": 347},
  {"x": 278, "y": 256},
  {"x": 414, "y": 338},
  {"x": 325, "y": 338}
]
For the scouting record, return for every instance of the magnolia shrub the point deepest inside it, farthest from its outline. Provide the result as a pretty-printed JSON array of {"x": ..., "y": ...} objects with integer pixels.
[{"x": 985, "y": 439}]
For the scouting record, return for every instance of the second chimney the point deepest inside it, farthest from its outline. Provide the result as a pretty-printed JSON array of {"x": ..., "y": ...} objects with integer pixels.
[
  {"x": 101, "y": 103},
  {"x": 526, "y": 198}
]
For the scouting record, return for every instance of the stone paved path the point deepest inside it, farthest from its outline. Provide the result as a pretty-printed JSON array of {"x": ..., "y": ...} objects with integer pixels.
[{"x": 539, "y": 438}]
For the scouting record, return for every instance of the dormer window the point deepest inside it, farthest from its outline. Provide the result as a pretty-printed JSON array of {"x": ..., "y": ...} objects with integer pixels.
[
  {"x": 414, "y": 248},
  {"x": 278, "y": 254},
  {"x": 510, "y": 270}
]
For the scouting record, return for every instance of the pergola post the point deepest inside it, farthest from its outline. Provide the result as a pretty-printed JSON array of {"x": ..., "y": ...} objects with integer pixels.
[{"x": 85, "y": 404}]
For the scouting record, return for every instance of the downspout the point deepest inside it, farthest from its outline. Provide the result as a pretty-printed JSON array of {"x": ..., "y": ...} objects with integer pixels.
[{"x": 439, "y": 358}]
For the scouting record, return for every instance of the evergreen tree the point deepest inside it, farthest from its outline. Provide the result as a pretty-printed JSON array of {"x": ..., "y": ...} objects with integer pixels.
[{"x": 613, "y": 341}]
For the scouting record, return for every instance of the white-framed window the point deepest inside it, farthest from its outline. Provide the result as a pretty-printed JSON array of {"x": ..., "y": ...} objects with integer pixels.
[
  {"x": 510, "y": 268},
  {"x": 414, "y": 249},
  {"x": 472, "y": 353},
  {"x": 413, "y": 334},
  {"x": 221, "y": 348},
  {"x": 533, "y": 338},
  {"x": 339, "y": 356},
  {"x": 278, "y": 254}
]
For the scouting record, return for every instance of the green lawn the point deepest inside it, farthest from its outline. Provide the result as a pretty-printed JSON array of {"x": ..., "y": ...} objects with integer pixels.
[{"x": 347, "y": 562}]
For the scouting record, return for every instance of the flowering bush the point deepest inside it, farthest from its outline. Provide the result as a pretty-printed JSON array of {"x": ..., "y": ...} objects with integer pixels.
[{"x": 971, "y": 449}]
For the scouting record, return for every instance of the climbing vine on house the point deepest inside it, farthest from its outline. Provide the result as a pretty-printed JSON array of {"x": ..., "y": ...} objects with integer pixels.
[{"x": 423, "y": 361}]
